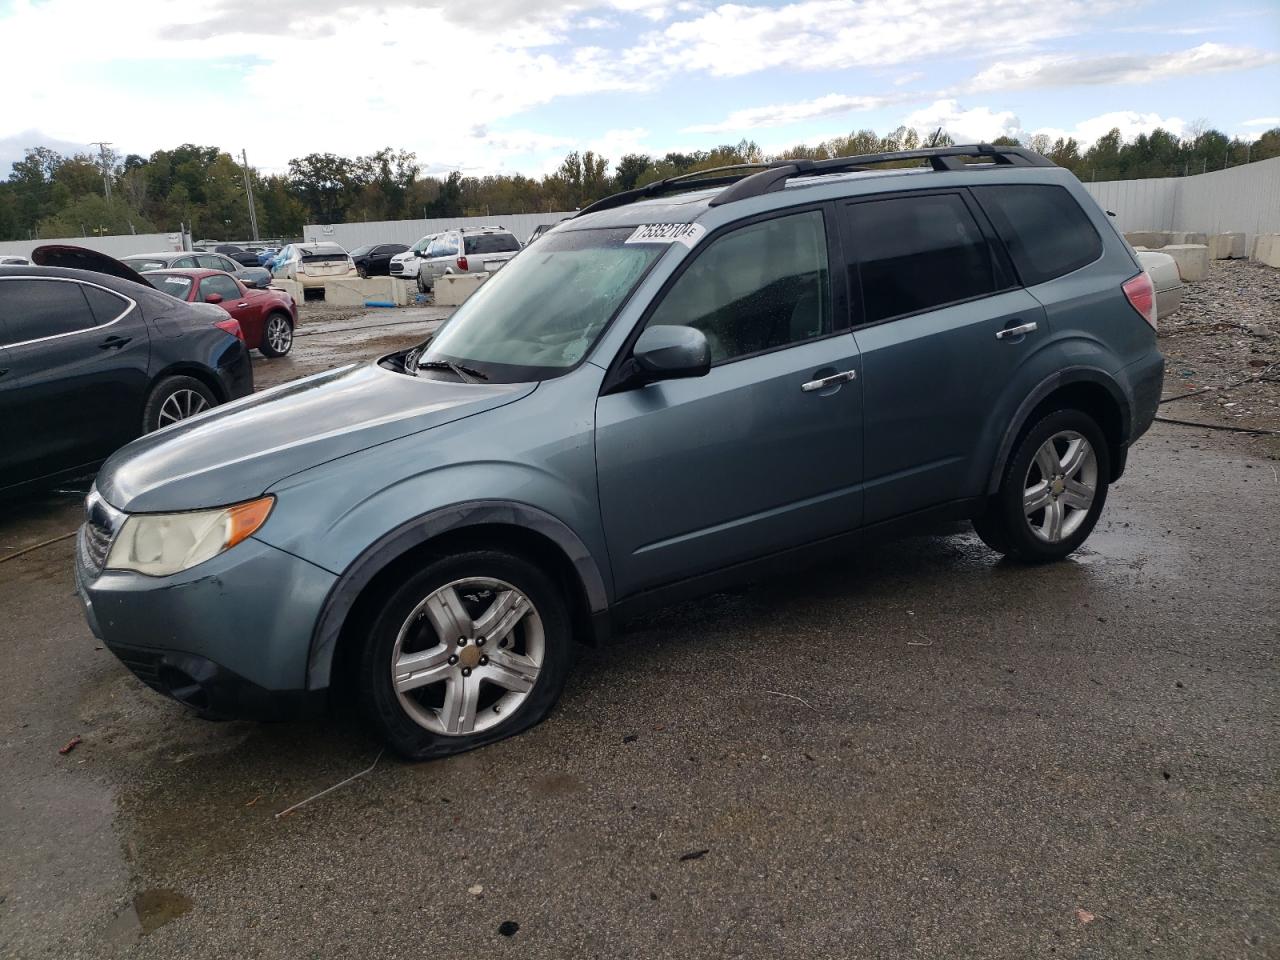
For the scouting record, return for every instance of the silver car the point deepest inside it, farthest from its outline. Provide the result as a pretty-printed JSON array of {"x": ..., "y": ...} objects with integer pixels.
[{"x": 466, "y": 250}]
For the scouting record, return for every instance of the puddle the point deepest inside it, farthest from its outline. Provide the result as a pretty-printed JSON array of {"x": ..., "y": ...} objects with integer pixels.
[{"x": 155, "y": 908}]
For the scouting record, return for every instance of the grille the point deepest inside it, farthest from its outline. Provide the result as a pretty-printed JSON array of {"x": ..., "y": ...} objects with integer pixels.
[
  {"x": 101, "y": 525},
  {"x": 144, "y": 664}
]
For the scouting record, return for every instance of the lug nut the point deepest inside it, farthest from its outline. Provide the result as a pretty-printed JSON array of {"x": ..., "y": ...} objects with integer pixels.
[
  {"x": 452, "y": 660},
  {"x": 462, "y": 641},
  {"x": 480, "y": 642},
  {"x": 466, "y": 671},
  {"x": 483, "y": 661},
  {"x": 496, "y": 709}
]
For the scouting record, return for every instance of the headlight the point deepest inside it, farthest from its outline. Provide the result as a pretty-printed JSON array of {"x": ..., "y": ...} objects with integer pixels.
[{"x": 159, "y": 544}]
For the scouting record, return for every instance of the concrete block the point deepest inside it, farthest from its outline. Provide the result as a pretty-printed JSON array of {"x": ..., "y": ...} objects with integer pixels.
[
  {"x": 1237, "y": 245},
  {"x": 1192, "y": 260},
  {"x": 1261, "y": 244},
  {"x": 1219, "y": 247},
  {"x": 290, "y": 287},
  {"x": 1270, "y": 254},
  {"x": 345, "y": 292},
  {"x": 452, "y": 289},
  {"x": 1178, "y": 236},
  {"x": 1151, "y": 239},
  {"x": 1195, "y": 238}
]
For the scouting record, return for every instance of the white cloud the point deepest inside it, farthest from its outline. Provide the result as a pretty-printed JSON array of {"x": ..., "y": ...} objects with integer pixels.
[
  {"x": 781, "y": 114},
  {"x": 1067, "y": 70},
  {"x": 735, "y": 39},
  {"x": 964, "y": 126},
  {"x": 1130, "y": 123},
  {"x": 1262, "y": 122},
  {"x": 904, "y": 79}
]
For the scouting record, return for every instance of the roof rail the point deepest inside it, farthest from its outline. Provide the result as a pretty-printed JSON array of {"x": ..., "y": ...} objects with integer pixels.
[
  {"x": 685, "y": 181},
  {"x": 940, "y": 159}
]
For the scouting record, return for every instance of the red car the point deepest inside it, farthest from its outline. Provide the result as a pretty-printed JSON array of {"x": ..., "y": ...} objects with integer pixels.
[{"x": 266, "y": 317}]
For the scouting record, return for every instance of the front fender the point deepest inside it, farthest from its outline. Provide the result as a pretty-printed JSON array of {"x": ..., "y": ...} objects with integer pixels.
[{"x": 344, "y": 592}]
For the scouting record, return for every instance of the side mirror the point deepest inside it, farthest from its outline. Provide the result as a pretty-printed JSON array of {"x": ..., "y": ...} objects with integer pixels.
[
  {"x": 213, "y": 298},
  {"x": 249, "y": 282},
  {"x": 672, "y": 352}
]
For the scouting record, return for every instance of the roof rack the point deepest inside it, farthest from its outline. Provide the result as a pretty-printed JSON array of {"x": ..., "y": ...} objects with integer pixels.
[
  {"x": 940, "y": 159},
  {"x": 685, "y": 181}
]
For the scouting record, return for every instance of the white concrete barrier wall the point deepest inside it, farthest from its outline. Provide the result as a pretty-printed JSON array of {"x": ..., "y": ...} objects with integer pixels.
[{"x": 352, "y": 235}]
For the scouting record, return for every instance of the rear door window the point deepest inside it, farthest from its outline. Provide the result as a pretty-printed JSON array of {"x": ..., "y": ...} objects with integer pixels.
[
  {"x": 916, "y": 253},
  {"x": 491, "y": 243},
  {"x": 34, "y": 309},
  {"x": 1043, "y": 228}
]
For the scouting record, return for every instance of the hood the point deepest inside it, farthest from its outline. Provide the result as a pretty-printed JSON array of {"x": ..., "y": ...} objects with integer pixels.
[
  {"x": 82, "y": 258},
  {"x": 237, "y": 451}
]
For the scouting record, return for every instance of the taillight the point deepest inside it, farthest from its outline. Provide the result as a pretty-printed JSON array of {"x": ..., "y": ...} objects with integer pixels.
[
  {"x": 1141, "y": 294},
  {"x": 462, "y": 263},
  {"x": 232, "y": 326}
]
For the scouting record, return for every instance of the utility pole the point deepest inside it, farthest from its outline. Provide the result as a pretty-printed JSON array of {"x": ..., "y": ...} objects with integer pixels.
[
  {"x": 248, "y": 189},
  {"x": 106, "y": 165}
]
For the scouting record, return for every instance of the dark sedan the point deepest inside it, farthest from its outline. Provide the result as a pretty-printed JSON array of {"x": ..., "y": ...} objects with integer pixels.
[
  {"x": 91, "y": 359},
  {"x": 374, "y": 259}
]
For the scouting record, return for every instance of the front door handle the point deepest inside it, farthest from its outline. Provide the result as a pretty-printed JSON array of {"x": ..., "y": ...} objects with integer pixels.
[
  {"x": 830, "y": 381},
  {"x": 242, "y": 304},
  {"x": 116, "y": 342},
  {"x": 1017, "y": 331}
]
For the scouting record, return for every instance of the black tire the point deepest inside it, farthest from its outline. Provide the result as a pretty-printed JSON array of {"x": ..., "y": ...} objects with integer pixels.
[
  {"x": 1005, "y": 527},
  {"x": 422, "y": 284},
  {"x": 376, "y": 693},
  {"x": 362, "y": 271},
  {"x": 155, "y": 414},
  {"x": 265, "y": 347}
]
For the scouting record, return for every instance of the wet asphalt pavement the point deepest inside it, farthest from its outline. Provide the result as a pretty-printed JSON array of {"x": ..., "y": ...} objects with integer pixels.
[{"x": 919, "y": 752}]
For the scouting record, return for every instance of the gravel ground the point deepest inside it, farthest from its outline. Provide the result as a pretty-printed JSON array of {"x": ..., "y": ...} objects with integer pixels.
[{"x": 1225, "y": 343}]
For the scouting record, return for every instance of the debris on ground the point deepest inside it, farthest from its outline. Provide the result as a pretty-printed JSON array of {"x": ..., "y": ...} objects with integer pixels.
[
  {"x": 71, "y": 744},
  {"x": 693, "y": 855},
  {"x": 1084, "y": 916},
  {"x": 1222, "y": 348},
  {"x": 508, "y": 928},
  {"x": 475, "y": 889}
]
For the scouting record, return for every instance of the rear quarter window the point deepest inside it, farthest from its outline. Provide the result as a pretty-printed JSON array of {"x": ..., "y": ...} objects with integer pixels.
[
  {"x": 1043, "y": 228},
  {"x": 491, "y": 243}
]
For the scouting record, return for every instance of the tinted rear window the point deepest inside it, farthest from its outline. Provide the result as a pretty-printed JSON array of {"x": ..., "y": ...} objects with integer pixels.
[
  {"x": 918, "y": 253},
  {"x": 105, "y": 306},
  {"x": 1044, "y": 229},
  {"x": 322, "y": 255},
  {"x": 491, "y": 243}
]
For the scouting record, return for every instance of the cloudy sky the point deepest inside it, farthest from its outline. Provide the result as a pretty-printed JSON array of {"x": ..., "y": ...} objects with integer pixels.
[{"x": 511, "y": 85}]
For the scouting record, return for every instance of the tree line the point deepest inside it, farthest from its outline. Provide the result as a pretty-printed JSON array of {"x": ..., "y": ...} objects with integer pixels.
[{"x": 51, "y": 195}]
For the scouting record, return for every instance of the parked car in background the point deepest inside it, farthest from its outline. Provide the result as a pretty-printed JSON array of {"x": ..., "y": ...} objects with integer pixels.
[
  {"x": 374, "y": 259},
  {"x": 406, "y": 264},
  {"x": 311, "y": 264},
  {"x": 240, "y": 255},
  {"x": 1163, "y": 271},
  {"x": 90, "y": 359},
  {"x": 9, "y": 260},
  {"x": 267, "y": 317},
  {"x": 680, "y": 389},
  {"x": 466, "y": 250},
  {"x": 197, "y": 259},
  {"x": 540, "y": 229},
  {"x": 266, "y": 255}
]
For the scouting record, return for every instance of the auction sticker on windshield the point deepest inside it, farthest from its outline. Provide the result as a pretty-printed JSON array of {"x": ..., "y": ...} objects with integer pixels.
[{"x": 686, "y": 233}]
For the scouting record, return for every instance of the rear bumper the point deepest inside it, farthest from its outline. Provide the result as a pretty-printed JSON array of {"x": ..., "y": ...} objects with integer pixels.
[
  {"x": 235, "y": 372},
  {"x": 228, "y": 638},
  {"x": 1146, "y": 383}
]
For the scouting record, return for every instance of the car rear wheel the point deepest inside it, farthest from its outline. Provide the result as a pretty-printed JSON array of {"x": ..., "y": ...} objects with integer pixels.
[
  {"x": 174, "y": 399},
  {"x": 422, "y": 283},
  {"x": 471, "y": 649},
  {"x": 1053, "y": 490},
  {"x": 277, "y": 336}
]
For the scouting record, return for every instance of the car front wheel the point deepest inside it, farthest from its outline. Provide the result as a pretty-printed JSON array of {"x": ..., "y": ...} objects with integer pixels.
[
  {"x": 1052, "y": 492},
  {"x": 471, "y": 649}
]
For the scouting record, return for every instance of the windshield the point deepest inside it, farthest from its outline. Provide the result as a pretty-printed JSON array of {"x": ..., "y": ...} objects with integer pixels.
[
  {"x": 423, "y": 243},
  {"x": 361, "y": 251},
  {"x": 174, "y": 284},
  {"x": 142, "y": 264},
  {"x": 541, "y": 313}
]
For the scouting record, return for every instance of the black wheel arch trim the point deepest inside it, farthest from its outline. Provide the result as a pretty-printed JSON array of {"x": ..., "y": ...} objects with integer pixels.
[
  {"x": 413, "y": 533},
  {"x": 1056, "y": 381}
]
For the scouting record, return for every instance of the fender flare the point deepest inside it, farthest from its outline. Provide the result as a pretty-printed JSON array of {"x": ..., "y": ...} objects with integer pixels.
[
  {"x": 361, "y": 571},
  {"x": 1048, "y": 385}
]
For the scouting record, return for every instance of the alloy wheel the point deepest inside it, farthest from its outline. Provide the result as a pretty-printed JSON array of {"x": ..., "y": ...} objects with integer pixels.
[
  {"x": 179, "y": 405},
  {"x": 1060, "y": 486},
  {"x": 279, "y": 334},
  {"x": 468, "y": 656}
]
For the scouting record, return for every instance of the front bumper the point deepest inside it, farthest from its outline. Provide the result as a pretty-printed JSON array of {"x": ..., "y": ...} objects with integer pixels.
[{"x": 228, "y": 638}]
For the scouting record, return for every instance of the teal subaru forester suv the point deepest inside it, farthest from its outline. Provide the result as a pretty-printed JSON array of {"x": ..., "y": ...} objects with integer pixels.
[{"x": 682, "y": 387}]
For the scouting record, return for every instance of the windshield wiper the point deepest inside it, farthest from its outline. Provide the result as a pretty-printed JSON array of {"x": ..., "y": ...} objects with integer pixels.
[{"x": 465, "y": 374}]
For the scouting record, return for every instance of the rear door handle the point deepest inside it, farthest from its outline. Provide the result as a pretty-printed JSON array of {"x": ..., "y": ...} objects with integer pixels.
[
  {"x": 116, "y": 342},
  {"x": 1017, "y": 331},
  {"x": 830, "y": 381}
]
